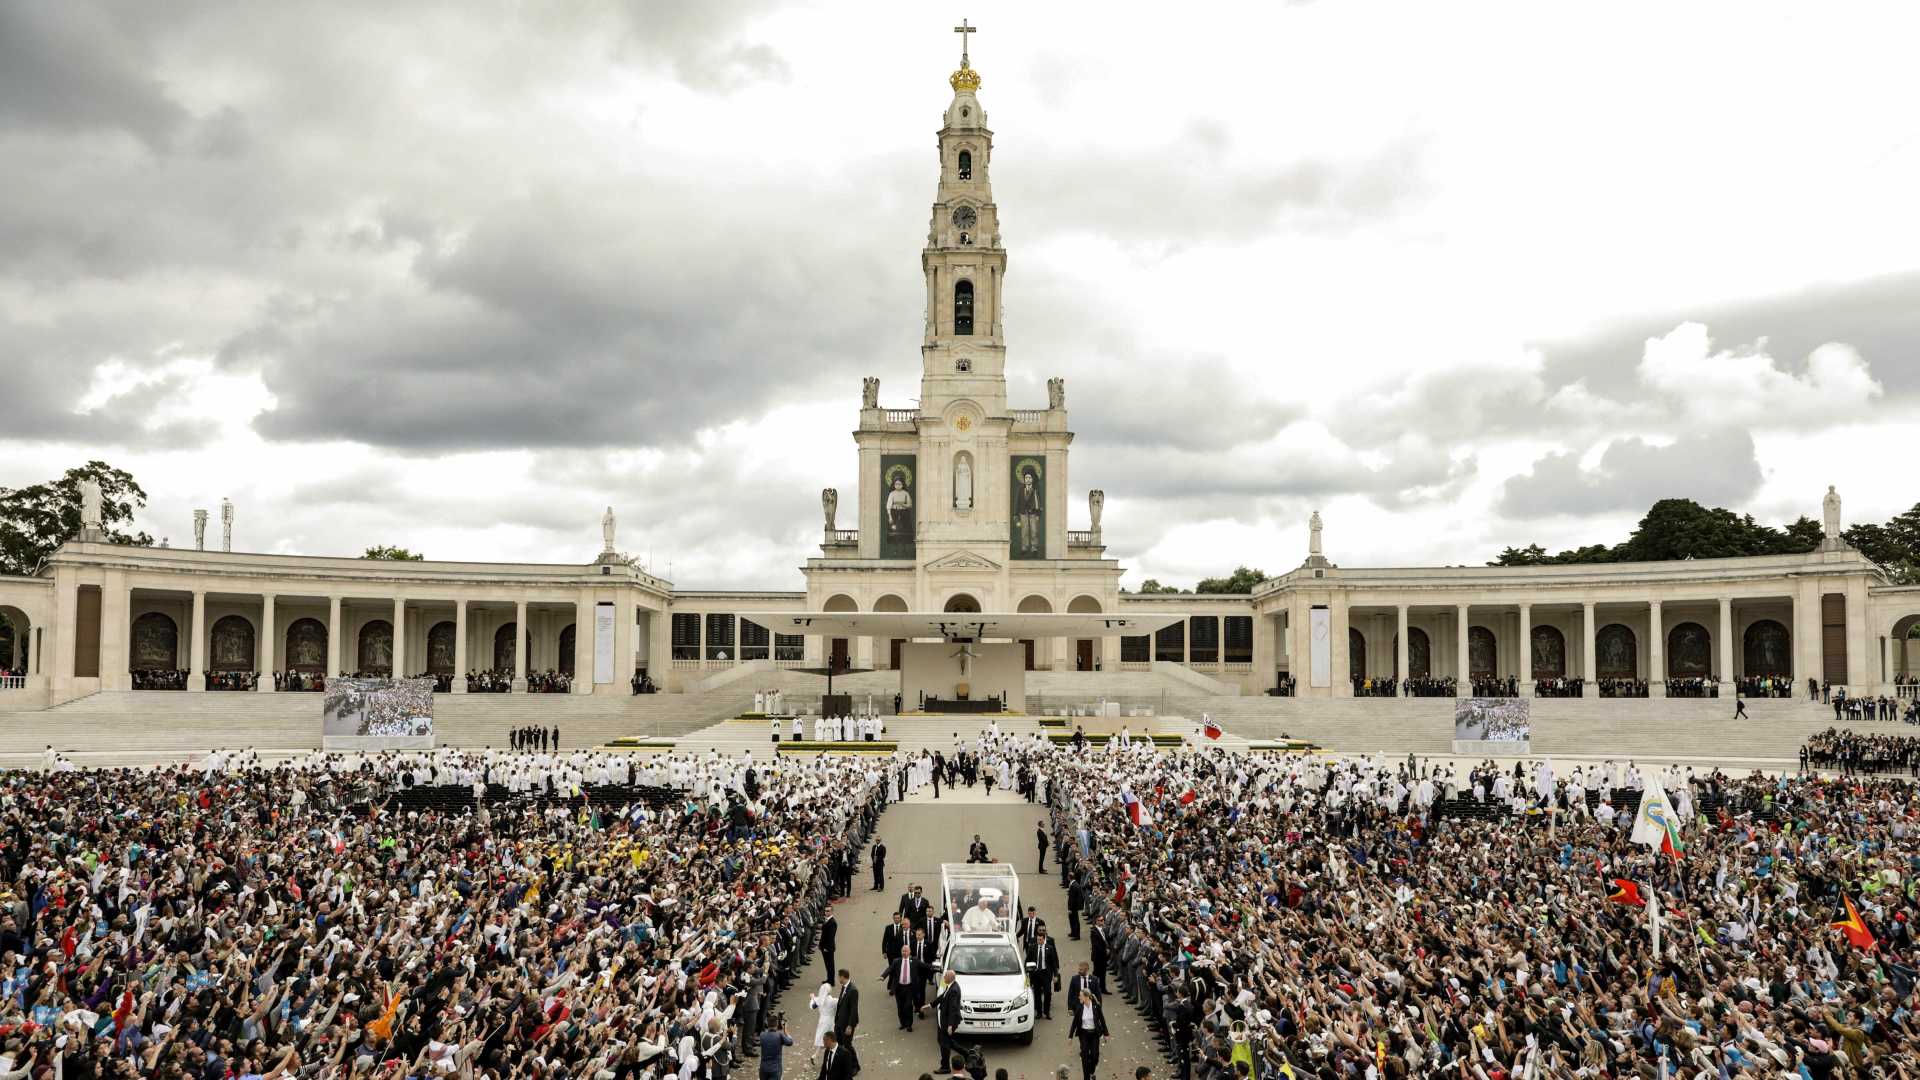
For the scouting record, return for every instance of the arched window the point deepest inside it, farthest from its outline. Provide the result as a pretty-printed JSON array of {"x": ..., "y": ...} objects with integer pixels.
[
  {"x": 966, "y": 165},
  {"x": 963, "y": 307}
]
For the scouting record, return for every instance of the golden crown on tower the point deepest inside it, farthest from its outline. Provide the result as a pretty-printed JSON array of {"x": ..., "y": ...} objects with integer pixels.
[{"x": 964, "y": 79}]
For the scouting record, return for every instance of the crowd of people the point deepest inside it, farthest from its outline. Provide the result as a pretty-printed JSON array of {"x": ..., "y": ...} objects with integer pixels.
[
  {"x": 238, "y": 921},
  {"x": 1856, "y": 753},
  {"x": 1693, "y": 687},
  {"x": 1363, "y": 687},
  {"x": 299, "y": 682},
  {"x": 1559, "y": 688},
  {"x": 490, "y": 682},
  {"x": 1428, "y": 686},
  {"x": 1623, "y": 688},
  {"x": 642, "y": 683},
  {"x": 1765, "y": 686},
  {"x": 1846, "y": 707},
  {"x": 549, "y": 681},
  {"x": 534, "y": 737},
  {"x": 1283, "y": 686},
  {"x": 1313, "y": 917},
  {"x": 158, "y": 678},
  {"x": 1495, "y": 686},
  {"x": 233, "y": 680}
]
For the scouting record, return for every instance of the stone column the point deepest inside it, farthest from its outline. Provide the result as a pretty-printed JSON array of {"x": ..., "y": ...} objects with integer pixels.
[
  {"x": 519, "y": 646},
  {"x": 460, "y": 646},
  {"x": 1526, "y": 650},
  {"x": 1265, "y": 659},
  {"x": 1859, "y": 674},
  {"x": 583, "y": 631},
  {"x": 701, "y": 653},
  {"x": 268, "y": 647},
  {"x": 197, "y": 665},
  {"x": 1401, "y": 665},
  {"x": 1806, "y": 635},
  {"x": 623, "y": 644},
  {"x": 116, "y": 633},
  {"x": 1340, "y": 621},
  {"x": 1588, "y": 652},
  {"x": 660, "y": 647},
  {"x": 333, "y": 638},
  {"x": 399, "y": 637},
  {"x": 1461, "y": 626},
  {"x": 1656, "y": 650},
  {"x": 1725, "y": 636}
]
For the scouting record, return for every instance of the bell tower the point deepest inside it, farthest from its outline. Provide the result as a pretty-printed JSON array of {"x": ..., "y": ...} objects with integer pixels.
[{"x": 963, "y": 355}]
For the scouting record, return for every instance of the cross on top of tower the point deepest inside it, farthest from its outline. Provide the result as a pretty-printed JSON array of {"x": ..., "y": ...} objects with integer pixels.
[{"x": 965, "y": 79}]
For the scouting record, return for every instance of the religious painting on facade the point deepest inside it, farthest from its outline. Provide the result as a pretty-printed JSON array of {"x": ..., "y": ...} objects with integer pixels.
[
  {"x": 156, "y": 643},
  {"x": 440, "y": 649},
  {"x": 1029, "y": 520},
  {"x": 1549, "y": 653},
  {"x": 1616, "y": 653},
  {"x": 1419, "y": 654},
  {"x": 899, "y": 503},
  {"x": 1483, "y": 654},
  {"x": 307, "y": 647},
  {"x": 503, "y": 649},
  {"x": 1766, "y": 650},
  {"x": 376, "y": 648},
  {"x": 232, "y": 644},
  {"x": 1689, "y": 652}
]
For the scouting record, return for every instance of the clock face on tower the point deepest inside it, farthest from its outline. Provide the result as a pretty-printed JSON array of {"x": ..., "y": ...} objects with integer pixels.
[{"x": 964, "y": 218}]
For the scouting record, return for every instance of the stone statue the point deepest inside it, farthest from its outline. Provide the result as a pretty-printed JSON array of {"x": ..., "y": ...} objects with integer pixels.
[
  {"x": 91, "y": 516},
  {"x": 1313, "y": 534},
  {"x": 199, "y": 530},
  {"x": 870, "y": 393},
  {"x": 830, "y": 505},
  {"x": 1096, "y": 502},
  {"x": 1830, "y": 514},
  {"x": 962, "y": 483},
  {"x": 1056, "y": 393},
  {"x": 606, "y": 531},
  {"x": 226, "y": 524}
]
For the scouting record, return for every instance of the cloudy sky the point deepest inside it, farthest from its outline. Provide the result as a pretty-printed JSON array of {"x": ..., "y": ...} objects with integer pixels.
[{"x": 1460, "y": 275}]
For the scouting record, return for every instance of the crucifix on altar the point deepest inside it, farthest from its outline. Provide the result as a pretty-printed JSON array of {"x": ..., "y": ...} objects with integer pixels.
[{"x": 963, "y": 30}]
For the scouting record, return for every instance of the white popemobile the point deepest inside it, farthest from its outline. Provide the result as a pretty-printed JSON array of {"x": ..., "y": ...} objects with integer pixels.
[{"x": 982, "y": 951}]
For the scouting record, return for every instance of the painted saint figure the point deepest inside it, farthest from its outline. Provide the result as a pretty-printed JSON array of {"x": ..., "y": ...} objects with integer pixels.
[
  {"x": 900, "y": 509},
  {"x": 1027, "y": 510}
]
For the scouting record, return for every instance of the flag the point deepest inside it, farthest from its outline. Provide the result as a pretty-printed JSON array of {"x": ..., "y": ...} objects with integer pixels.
[
  {"x": 1628, "y": 893},
  {"x": 1137, "y": 811},
  {"x": 1211, "y": 726},
  {"x": 122, "y": 1012},
  {"x": 1854, "y": 927},
  {"x": 1656, "y": 824},
  {"x": 1187, "y": 797}
]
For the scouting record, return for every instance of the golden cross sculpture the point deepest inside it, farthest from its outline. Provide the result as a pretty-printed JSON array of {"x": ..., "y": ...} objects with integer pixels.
[{"x": 964, "y": 30}]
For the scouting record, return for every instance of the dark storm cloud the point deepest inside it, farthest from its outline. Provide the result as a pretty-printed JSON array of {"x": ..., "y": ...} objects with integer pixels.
[
  {"x": 47, "y": 369},
  {"x": 1878, "y": 316},
  {"x": 589, "y": 318},
  {"x": 1717, "y": 469},
  {"x": 76, "y": 67},
  {"x": 1207, "y": 406}
]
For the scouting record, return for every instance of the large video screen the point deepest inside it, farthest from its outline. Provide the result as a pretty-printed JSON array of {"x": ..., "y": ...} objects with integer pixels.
[
  {"x": 378, "y": 707},
  {"x": 1481, "y": 719}
]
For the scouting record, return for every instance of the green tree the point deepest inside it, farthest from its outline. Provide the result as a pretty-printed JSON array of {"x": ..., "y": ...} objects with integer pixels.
[
  {"x": 1242, "y": 580},
  {"x": 1531, "y": 555},
  {"x": 1895, "y": 546},
  {"x": 390, "y": 551},
  {"x": 36, "y": 520},
  {"x": 1152, "y": 587}
]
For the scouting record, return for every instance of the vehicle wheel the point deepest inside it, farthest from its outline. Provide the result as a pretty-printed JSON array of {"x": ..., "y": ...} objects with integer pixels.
[{"x": 1026, "y": 1037}]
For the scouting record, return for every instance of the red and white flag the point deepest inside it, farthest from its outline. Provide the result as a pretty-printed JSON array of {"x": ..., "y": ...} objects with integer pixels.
[
  {"x": 1137, "y": 811},
  {"x": 1188, "y": 796},
  {"x": 1210, "y": 727}
]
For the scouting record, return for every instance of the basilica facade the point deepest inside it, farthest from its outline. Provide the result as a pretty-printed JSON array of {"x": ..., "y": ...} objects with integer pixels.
[{"x": 962, "y": 505}]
